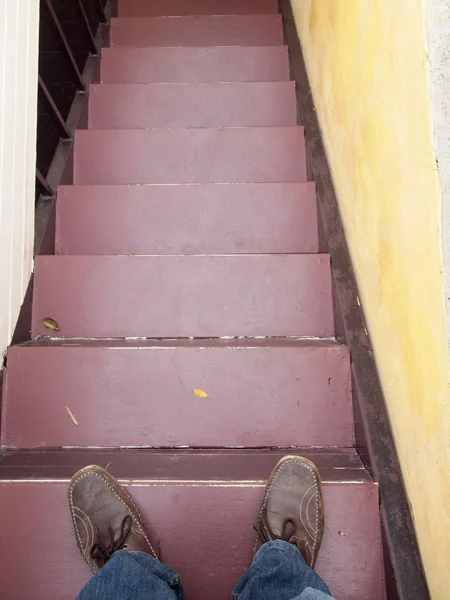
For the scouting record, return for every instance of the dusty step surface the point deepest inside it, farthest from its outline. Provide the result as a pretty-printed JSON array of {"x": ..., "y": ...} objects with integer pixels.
[
  {"x": 213, "y": 63},
  {"x": 143, "y": 8},
  {"x": 234, "y": 104},
  {"x": 184, "y": 296},
  {"x": 216, "y": 155},
  {"x": 230, "y": 30},
  {"x": 205, "y": 532},
  {"x": 258, "y": 393},
  {"x": 187, "y": 219}
]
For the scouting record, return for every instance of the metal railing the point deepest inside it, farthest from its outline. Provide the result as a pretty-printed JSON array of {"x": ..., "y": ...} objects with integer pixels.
[{"x": 67, "y": 38}]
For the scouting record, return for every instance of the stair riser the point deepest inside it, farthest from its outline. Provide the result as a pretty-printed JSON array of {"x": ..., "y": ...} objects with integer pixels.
[
  {"x": 182, "y": 518},
  {"x": 235, "y": 155},
  {"x": 181, "y": 65},
  {"x": 195, "y": 219},
  {"x": 337, "y": 465},
  {"x": 143, "y": 8},
  {"x": 146, "y": 106},
  {"x": 144, "y": 397},
  {"x": 252, "y": 30},
  {"x": 184, "y": 296}
]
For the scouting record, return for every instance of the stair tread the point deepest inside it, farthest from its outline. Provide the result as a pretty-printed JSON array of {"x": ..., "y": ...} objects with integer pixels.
[
  {"x": 143, "y": 8},
  {"x": 215, "y": 155},
  {"x": 187, "y": 219},
  {"x": 232, "y": 104},
  {"x": 209, "y": 30},
  {"x": 143, "y": 395},
  {"x": 196, "y": 64},
  {"x": 188, "y": 519},
  {"x": 334, "y": 464},
  {"x": 184, "y": 296}
]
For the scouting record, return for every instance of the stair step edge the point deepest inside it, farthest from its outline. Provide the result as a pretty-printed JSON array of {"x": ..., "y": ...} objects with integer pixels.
[
  {"x": 196, "y": 7},
  {"x": 153, "y": 466},
  {"x": 157, "y": 343}
]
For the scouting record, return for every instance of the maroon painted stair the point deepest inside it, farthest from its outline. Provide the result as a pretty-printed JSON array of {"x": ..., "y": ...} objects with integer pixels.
[
  {"x": 220, "y": 30},
  {"x": 215, "y": 155},
  {"x": 194, "y": 64},
  {"x": 173, "y": 8},
  {"x": 254, "y": 218},
  {"x": 193, "y": 330},
  {"x": 212, "y": 104},
  {"x": 212, "y": 498},
  {"x": 117, "y": 376},
  {"x": 184, "y": 296}
]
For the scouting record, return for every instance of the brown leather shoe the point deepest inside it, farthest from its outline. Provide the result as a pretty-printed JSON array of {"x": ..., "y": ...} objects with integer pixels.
[
  {"x": 292, "y": 508},
  {"x": 105, "y": 518}
]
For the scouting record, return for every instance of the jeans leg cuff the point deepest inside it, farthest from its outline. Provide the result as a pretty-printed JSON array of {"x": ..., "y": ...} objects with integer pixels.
[{"x": 279, "y": 545}]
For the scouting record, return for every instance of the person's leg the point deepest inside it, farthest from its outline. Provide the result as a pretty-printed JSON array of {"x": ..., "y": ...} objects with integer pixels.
[
  {"x": 112, "y": 540},
  {"x": 290, "y": 527},
  {"x": 279, "y": 572},
  {"x": 132, "y": 576}
]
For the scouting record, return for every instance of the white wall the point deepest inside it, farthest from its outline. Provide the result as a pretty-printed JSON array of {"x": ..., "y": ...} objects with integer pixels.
[
  {"x": 19, "y": 30},
  {"x": 438, "y": 29}
]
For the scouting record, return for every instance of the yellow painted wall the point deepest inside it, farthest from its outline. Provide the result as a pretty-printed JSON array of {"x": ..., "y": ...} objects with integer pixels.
[{"x": 367, "y": 65}]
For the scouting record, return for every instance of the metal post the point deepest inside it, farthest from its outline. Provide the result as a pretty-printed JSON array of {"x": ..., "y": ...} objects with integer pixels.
[
  {"x": 66, "y": 46},
  {"x": 90, "y": 36},
  {"x": 43, "y": 184},
  {"x": 54, "y": 112},
  {"x": 101, "y": 11}
]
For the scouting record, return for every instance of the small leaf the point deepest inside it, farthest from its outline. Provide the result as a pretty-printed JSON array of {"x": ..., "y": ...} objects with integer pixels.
[
  {"x": 200, "y": 393},
  {"x": 71, "y": 415},
  {"x": 341, "y": 533},
  {"x": 50, "y": 323}
]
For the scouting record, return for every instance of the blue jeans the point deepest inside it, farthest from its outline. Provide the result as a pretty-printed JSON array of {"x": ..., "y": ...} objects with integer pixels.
[{"x": 278, "y": 572}]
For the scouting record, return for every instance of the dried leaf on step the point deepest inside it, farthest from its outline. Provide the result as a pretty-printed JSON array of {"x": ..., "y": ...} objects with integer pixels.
[
  {"x": 341, "y": 533},
  {"x": 50, "y": 323},
  {"x": 200, "y": 393},
  {"x": 71, "y": 415}
]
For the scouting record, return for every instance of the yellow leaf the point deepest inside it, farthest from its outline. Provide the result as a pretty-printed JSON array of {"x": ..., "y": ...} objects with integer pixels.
[
  {"x": 71, "y": 415},
  {"x": 200, "y": 394},
  {"x": 50, "y": 323}
]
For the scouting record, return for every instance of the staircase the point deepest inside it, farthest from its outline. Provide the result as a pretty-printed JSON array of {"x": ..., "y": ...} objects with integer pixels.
[{"x": 196, "y": 331}]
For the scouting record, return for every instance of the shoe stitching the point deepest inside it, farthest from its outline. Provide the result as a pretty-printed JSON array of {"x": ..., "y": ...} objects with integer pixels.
[
  {"x": 308, "y": 525},
  {"x": 136, "y": 520},
  {"x": 83, "y": 517},
  {"x": 303, "y": 509},
  {"x": 316, "y": 485}
]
